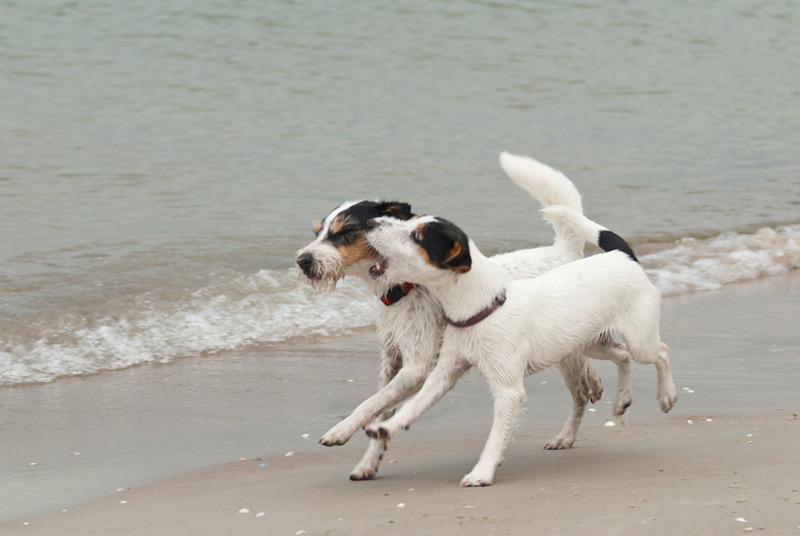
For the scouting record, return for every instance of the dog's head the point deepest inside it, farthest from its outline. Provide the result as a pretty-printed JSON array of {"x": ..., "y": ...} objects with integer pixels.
[
  {"x": 418, "y": 250},
  {"x": 341, "y": 243}
]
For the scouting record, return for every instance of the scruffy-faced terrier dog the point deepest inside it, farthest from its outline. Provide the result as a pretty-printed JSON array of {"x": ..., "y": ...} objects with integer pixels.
[
  {"x": 511, "y": 328},
  {"x": 410, "y": 325}
]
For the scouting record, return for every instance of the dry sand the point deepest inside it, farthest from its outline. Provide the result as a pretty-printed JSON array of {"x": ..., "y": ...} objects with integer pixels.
[{"x": 734, "y": 468}]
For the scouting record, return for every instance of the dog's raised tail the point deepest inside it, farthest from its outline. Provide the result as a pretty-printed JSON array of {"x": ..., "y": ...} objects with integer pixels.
[
  {"x": 565, "y": 216},
  {"x": 547, "y": 185}
]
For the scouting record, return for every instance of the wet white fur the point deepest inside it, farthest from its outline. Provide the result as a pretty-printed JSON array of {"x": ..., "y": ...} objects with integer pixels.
[
  {"x": 544, "y": 319},
  {"x": 411, "y": 330}
]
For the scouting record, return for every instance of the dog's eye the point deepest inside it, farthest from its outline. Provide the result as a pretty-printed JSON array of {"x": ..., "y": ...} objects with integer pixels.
[
  {"x": 416, "y": 236},
  {"x": 346, "y": 236}
]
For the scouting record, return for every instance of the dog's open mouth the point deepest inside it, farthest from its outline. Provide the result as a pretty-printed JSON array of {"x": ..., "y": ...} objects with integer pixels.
[{"x": 378, "y": 269}]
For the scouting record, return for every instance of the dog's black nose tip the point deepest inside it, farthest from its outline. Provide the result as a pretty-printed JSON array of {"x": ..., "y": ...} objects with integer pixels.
[
  {"x": 305, "y": 261},
  {"x": 371, "y": 224}
]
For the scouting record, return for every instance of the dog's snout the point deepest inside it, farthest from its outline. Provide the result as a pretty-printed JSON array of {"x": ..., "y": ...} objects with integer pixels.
[
  {"x": 373, "y": 223},
  {"x": 304, "y": 261}
]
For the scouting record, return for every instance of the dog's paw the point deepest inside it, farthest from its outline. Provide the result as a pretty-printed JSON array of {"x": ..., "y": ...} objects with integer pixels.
[
  {"x": 481, "y": 475},
  {"x": 622, "y": 402},
  {"x": 363, "y": 473},
  {"x": 378, "y": 431},
  {"x": 330, "y": 441},
  {"x": 473, "y": 480},
  {"x": 338, "y": 435},
  {"x": 560, "y": 443},
  {"x": 667, "y": 401},
  {"x": 593, "y": 387}
]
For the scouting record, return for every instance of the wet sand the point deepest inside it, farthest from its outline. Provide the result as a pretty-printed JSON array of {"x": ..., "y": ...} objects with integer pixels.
[
  {"x": 170, "y": 437},
  {"x": 668, "y": 478}
]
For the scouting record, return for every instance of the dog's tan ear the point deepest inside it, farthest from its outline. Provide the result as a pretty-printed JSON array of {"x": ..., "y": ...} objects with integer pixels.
[
  {"x": 451, "y": 245},
  {"x": 444, "y": 245},
  {"x": 316, "y": 226},
  {"x": 457, "y": 258}
]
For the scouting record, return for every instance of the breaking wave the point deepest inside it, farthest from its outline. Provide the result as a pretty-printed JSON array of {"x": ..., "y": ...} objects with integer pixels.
[{"x": 245, "y": 311}]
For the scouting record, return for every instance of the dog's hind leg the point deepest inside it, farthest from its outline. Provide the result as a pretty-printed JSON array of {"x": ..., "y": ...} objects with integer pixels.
[
  {"x": 644, "y": 342},
  {"x": 584, "y": 385},
  {"x": 591, "y": 384},
  {"x": 608, "y": 349},
  {"x": 667, "y": 395},
  {"x": 508, "y": 399}
]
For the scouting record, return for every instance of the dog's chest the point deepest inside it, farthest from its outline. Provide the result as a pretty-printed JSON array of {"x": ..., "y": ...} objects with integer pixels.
[{"x": 416, "y": 318}]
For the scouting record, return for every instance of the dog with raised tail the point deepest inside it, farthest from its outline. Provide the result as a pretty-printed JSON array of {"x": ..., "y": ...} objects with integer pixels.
[
  {"x": 512, "y": 328},
  {"x": 410, "y": 324}
]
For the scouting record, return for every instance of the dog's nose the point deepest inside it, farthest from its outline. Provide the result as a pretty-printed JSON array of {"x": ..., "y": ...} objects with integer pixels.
[
  {"x": 373, "y": 223},
  {"x": 304, "y": 261}
]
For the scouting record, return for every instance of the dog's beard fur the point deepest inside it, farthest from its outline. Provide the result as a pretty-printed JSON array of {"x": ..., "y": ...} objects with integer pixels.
[
  {"x": 332, "y": 263},
  {"x": 326, "y": 274}
]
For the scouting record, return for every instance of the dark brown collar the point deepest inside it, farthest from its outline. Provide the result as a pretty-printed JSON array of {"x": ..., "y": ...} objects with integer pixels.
[
  {"x": 471, "y": 321},
  {"x": 396, "y": 293}
]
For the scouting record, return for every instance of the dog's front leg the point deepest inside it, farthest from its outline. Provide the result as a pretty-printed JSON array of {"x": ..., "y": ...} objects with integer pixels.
[
  {"x": 444, "y": 376},
  {"x": 508, "y": 400},
  {"x": 405, "y": 384},
  {"x": 391, "y": 362}
]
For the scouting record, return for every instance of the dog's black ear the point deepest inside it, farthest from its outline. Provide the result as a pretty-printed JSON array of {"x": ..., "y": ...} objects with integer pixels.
[
  {"x": 446, "y": 245},
  {"x": 396, "y": 209}
]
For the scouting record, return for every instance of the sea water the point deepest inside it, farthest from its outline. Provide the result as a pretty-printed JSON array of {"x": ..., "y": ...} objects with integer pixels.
[{"x": 160, "y": 163}]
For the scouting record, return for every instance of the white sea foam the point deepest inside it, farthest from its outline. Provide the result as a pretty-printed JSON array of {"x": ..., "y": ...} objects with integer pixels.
[
  {"x": 246, "y": 311},
  {"x": 241, "y": 311},
  {"x": 694, "y": 264}
]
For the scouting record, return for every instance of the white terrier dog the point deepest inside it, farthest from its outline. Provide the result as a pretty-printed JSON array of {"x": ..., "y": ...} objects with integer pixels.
[
  {"x": 411, "y": 326},
  {"x": 511, "y": 328}
]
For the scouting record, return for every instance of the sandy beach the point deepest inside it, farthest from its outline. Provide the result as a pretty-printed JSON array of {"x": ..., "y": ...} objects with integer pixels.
[
  {"x": 724, "y": 461},
  {"x": 671, "y": 478}
]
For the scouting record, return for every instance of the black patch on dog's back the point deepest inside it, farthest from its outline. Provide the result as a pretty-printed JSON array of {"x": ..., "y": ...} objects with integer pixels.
[{"x": 610, "y": 241}]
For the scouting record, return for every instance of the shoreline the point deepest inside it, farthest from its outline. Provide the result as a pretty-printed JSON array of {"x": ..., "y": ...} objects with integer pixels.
[{"x": 736, "y": 349}]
